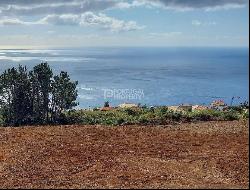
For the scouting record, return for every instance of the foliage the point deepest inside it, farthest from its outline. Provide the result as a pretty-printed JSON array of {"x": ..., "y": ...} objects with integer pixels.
[
  {"x": 64, "y": 95},
  {"x": 35, "y": 97},
  {"x": 106, "y": 104},
  {"x": 244, "y": 105},
  {"x": 40, "y": 79},
  {"x": 1, "y": 118},
  {"x": 145, "y": 116},
  {"x": 15, "y": 89}
]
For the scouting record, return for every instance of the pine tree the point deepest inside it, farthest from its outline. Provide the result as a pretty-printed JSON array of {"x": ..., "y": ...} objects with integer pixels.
[
  {"x": 15, "y": 95},
  {"x": 41, "y": 77},
  {"x": 35, "y": 97},
  {"x": 64, "y": 94}
]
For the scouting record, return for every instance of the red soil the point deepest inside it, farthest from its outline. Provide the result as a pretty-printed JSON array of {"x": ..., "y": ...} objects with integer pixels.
[{"x": 202, "y": 155}]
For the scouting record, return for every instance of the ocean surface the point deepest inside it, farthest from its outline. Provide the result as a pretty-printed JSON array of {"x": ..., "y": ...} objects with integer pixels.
[{"x": 151, "y": 76}]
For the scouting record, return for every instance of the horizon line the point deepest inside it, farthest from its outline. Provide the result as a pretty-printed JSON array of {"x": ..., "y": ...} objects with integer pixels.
[{"x": 78, "y": 47}]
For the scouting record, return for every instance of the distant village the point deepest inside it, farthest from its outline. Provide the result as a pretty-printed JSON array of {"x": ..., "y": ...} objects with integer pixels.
[{"x": 216, "y": 105}]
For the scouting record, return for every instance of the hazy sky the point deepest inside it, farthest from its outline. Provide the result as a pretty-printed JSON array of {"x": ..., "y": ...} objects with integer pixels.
[{"x": 65, "y": 23}]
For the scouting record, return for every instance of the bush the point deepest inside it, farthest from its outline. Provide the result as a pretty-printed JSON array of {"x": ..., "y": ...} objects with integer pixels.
[
  {"x": 230, "y": 116},
  {"x": 236, "y": 108},
  {"x": 130, "y": 111},
  {"x": 144, "y": 116},
  {"x": 143, "y": 119},
  {"x": 205, "y": 115},
  {"x": 1, "y": 120},
  {"x": 161, "y": 111},
  {"x": 245, "y": 114}
]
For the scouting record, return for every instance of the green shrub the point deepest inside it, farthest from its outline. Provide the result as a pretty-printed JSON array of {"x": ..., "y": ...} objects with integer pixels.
[
  {"x": 1, "y": 120},
  {"x": 131, "y": 111},
  {"x": 120, "y": 121},
  {"x": 160, "y": 115},
  {"x": 144, "y": 119},
  {"x": 161, "y": 111},
  {"x": 201, "y": 115},
  {"x": 176, "y": 116},
  {"x": 236, "y": 109},
  {"x": 245, "y": 114},
  {"x": 230, "y": 115}
]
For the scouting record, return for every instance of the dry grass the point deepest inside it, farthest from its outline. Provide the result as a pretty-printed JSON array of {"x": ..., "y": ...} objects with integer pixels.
[{"x": 201, "y": 155}]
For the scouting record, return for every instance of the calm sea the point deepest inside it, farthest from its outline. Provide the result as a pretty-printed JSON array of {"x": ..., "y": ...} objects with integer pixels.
[{"x": 152, "y": 76}]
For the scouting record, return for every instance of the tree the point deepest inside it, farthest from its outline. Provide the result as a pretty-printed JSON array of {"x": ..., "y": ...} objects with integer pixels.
[
  {"x": 35, "y": 97},
  {"x": 64, "y": 94},
  {"x": 7, "y": 83},
  {"x": 41, "y": 78},
  {"x": 22, "y": 99},
  {"x": 15, "y": 94}
]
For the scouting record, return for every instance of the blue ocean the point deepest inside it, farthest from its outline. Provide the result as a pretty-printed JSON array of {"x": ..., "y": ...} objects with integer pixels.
[{"x": 151, "y": 76}]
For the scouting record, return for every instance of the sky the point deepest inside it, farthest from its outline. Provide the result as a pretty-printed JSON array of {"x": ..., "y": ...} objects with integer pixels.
[{"x": 85, "y": 23}]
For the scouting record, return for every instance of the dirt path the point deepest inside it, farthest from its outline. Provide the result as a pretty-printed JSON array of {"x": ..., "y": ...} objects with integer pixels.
[{"x": 202, "y": 155}]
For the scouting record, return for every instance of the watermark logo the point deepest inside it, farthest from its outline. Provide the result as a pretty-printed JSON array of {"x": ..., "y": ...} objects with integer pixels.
[{"x": 124, "y": 94}]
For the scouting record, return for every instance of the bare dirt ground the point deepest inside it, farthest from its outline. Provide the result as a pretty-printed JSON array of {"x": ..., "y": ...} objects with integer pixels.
[{"x": 201, "y": 155}]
